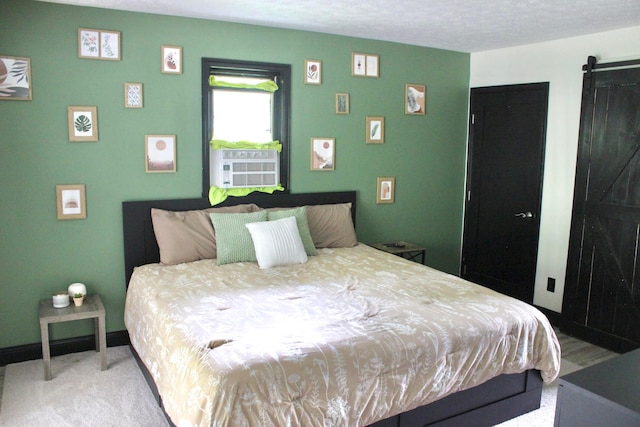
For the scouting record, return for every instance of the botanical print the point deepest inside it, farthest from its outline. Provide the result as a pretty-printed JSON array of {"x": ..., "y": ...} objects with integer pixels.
[
  {"x": 89, "y": 43},
  {"x": 313, "y": 72},
  {"x": 109, "y": 45},
  {"x": 416, "y": 97},
  {"x": 15, "y": 78}
]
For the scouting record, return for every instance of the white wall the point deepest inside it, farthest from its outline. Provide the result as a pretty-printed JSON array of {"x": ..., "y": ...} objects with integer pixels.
[{"x": 560, "y": 63}]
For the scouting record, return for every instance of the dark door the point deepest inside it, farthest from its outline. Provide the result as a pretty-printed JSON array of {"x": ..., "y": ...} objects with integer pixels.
[
  {"x": 507, "y": 133},
  {"x": 602, "y": 288}
]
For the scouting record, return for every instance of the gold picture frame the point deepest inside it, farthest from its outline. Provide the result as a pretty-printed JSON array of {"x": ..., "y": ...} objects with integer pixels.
[
  {"x": 365, "y": 65},
  {"x": 133, "y": 96},
  {"x": 375, "y": 130},
  {"x": 99, "y": 44},
  {"x": 385, "y": 189},
  {"x": 83, "y": 123},
  {"x": 312, "y": 72},
  {"x": 171, "y": 59},
  {"x": 323, "y": 154},
  {"x": 415, "y": 99},
  {"x": 159, "y": 153},
  {"x": 342, "y": 103},
  {"x": 16, "y": 84},
  {"x": 71, "y": 201}
]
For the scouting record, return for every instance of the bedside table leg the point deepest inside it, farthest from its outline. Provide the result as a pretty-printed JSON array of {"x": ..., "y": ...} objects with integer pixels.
[
  {"x": 101, "y": 341},
  {"x": 46, "y": 355}
]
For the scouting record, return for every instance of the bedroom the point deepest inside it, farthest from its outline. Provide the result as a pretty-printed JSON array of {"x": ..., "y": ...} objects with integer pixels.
[{"x": 426, "y": 154}]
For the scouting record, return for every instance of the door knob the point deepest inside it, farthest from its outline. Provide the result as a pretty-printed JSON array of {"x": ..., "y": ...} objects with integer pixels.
[{"x": 525, "y": 215}]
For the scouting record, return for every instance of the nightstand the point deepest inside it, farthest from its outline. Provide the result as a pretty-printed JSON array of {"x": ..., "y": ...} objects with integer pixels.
[
  {"x": 403, "y": 249},
  {"x": 91, "y": 309}
]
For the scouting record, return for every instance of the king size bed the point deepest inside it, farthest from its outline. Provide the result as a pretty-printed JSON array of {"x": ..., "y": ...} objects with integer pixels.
[{"x": 333, "y": 333}]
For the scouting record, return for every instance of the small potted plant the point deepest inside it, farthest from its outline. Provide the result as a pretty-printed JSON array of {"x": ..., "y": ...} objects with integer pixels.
[{"x": 78, "y": 299}]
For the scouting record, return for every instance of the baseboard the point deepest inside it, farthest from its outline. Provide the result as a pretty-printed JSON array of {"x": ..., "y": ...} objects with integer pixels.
[{"x": 22, "y": 353}]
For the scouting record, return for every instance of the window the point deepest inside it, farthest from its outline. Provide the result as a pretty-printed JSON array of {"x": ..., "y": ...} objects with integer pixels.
[{"x": 239, "y": 111}]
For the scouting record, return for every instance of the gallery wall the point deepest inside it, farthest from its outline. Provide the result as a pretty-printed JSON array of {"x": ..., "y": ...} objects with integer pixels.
[{"x": 41, "y": 254}]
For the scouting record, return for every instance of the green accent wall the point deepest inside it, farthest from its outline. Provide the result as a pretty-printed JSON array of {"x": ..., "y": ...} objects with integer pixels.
[{"x": 40, "y": 254}]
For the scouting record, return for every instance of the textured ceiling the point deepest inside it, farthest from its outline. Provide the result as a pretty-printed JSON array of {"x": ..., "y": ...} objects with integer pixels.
[{"x": 460, "y": 25}]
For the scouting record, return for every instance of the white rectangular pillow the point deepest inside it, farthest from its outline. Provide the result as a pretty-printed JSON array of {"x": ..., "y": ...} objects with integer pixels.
[{"x": 277, "y": 242}]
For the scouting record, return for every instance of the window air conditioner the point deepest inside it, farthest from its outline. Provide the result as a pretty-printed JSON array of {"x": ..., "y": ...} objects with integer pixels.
[{"x": 240, "y": 168}]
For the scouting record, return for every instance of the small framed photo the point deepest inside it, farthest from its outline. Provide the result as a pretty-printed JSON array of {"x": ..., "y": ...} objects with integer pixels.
[
  {"x": 312, "y": 72},
  {"x": 386, "y": 189},
  {"x": 133, "y": 95},
  {"x": 70, "y": 201},
  {"x": 171, "y": 58},
  {"x": 160, "y": 153},
  {"x": 323, "y": 154},
  {"x": 15, "y": 78},
  {"x": 83, "y": 123},
  {"x": 375, "y": 130},
  {"x": 98, "y": 44},
  {"x": 415, "y": 99},
  {"x": 342, "y": 103},
  {"x": 364, "y": 65}
]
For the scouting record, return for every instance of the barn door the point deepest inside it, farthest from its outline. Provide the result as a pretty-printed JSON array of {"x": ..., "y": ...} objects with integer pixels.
[{"x": 602, "y": 289}]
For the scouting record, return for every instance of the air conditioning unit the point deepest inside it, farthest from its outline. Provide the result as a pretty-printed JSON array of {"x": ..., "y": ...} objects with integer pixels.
[{"x": 240, "y": 168}]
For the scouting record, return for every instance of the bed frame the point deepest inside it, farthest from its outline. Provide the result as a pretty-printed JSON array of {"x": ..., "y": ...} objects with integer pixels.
[{"x": 493, "y": 402}]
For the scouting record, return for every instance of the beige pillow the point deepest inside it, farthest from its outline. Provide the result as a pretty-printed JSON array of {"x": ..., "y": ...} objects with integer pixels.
[
  {"x": 186, "y": 236},
  {"x": 331, "y": 226}
]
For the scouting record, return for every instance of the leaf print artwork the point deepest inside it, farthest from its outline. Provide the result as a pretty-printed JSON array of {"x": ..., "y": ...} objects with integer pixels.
[{"x": 83, "y": 124}]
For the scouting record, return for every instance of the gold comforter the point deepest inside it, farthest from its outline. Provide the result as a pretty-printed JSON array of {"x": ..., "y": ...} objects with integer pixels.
[{"x": 353, "y": 336}]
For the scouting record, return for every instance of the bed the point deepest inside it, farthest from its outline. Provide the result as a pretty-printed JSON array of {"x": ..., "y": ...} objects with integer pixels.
[{"x": 352, "y": 336}]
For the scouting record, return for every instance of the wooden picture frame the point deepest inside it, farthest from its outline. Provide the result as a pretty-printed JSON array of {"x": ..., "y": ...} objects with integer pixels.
[
  {"x": 83, "y": 123},
  {"x": 323, "y": 154},
  {"x": 71, "y": 201},
  {"x": 342, "y": 103},
  {"x": 415, "y": 99},
  {"x": 385, "y": 189},
  {"x": 159, "y": 153},
  {"x": 375, "y": 130},
  {"x": 171, "y": 59},
  {"x": 312, "y": 72},
  {"x": 99, "y": 44},
  {"x": 15, "y": 78},
  {"x": 133, "y": 96},
  {"x": 365, "y": 65}
]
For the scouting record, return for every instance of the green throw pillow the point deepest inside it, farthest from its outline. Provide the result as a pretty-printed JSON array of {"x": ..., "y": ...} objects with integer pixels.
[
  {"x": 233, "y": 238},
  {"x": 302, "y": 223}
]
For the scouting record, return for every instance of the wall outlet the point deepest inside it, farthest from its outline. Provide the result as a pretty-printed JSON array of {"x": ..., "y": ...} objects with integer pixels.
[{"x": 551, "y": 284}]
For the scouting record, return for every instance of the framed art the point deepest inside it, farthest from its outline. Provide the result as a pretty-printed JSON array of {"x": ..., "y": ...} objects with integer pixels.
[
  {"x": 133, "y": 95},
  {"x": 323, "y": 154},
  {"x": 342, "y": 103},
  {"x": 70, "y": 201},
  {"x": 160, "y": 153},
  {"x": 386, "y": 189},
  {"x": 98, "y": 44},
  {"x": 312, "y": 72},
  {"x": 415, "y": 99},
  {"x": 375, "y": 130},
  {"x": 15, "y": 78},
  {"x": 83, "y": 123},
  {"x": 171, "y": 57},
  {"x": 364, "y": 65}
]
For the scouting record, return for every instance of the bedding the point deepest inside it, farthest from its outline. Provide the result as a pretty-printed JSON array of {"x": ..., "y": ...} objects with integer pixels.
[{"x": 352, "y": 336}]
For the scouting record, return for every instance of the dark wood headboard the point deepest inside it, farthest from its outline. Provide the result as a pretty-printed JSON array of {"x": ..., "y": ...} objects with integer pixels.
[{"x": 140, "y": 246}]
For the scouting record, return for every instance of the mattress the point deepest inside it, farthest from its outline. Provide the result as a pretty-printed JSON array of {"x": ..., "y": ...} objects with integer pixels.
[{"x": 353, "y": 336}]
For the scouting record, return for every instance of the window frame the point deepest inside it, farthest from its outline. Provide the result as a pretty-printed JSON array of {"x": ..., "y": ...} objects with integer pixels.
[{"x": 281, "y": 108}]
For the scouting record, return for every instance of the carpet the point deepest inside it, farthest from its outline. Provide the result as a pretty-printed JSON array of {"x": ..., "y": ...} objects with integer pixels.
[{"x": 81, "y": 395}]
